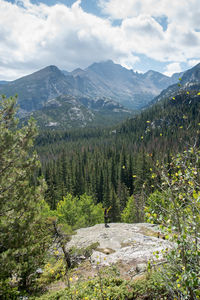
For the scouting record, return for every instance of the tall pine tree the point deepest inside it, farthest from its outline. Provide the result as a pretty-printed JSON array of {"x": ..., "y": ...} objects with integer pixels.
[{"x": 23, "y": 234}]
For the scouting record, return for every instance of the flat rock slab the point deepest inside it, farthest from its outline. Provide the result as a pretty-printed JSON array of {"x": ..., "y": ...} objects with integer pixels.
[{"x": 120, "y": 242}]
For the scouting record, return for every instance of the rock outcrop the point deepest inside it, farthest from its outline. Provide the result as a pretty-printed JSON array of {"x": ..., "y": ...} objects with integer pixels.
[{"x": 129, "y": 246}]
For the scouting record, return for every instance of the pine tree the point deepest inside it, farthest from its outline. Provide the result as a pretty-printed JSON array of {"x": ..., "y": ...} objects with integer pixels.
[{"x": 23, "y": 234}]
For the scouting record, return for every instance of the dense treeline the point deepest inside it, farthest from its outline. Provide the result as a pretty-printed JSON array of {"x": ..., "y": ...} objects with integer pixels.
[{"x": 112, "y": 164}]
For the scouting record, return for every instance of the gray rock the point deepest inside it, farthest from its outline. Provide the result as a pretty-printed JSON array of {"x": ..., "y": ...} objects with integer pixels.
[
  {"x": 141, "y": 268},
  {"x": 127, "y": 243}
]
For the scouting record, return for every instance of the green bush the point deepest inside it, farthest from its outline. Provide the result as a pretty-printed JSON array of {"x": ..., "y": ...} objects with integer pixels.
[
  {"x": 113, "y": 288},
  {"x": 129, "y": 213},
  {"x": 178, "y": 205},
  {"x": 79, "y": 211}
]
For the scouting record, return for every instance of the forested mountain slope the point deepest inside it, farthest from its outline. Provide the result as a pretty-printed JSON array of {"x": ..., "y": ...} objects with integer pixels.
[{"x": 113, "y": 164}]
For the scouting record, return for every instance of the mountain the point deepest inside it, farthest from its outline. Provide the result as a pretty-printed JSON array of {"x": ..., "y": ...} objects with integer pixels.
[
  {"x": 104, "y": 79},
  {"x": 129, "y": 88},
  {"x": 192, "y": 75},
  {"x": 72, "y": 111},
  {"x": 3, "y": 82},
  {"x": 175, "y": 77},
  {"x": 65, "y": 72},
  {"x": 159, "y": 80},
  {"x": 34, "y": 90},
  {"x": 190, "y": 82}
]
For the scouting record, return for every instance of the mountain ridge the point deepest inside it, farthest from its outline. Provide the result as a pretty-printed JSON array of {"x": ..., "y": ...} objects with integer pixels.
[
  {"x": 189, "y": 81},
  {"x": 104, "y": 79}
]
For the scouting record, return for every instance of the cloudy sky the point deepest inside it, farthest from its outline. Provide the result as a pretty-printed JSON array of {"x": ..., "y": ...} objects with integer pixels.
[{"x": 163, "y": 35}]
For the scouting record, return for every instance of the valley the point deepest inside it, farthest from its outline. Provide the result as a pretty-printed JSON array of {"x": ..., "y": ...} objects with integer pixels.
[{"x": 96, "y": 153}]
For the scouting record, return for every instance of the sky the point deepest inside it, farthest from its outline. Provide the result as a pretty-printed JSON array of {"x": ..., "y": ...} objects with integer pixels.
[{"x": 160, "y": 35}]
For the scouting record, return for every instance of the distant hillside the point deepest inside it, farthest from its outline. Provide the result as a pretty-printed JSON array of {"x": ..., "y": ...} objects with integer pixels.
[
  {"x": 71, "y": 112},
  {"x": 168, "y": 125},
  {"x": 34, "y": 90},
  {"x": 3, "y": 82},
  {"x": 190, "y": 81},
  {"x": 159, "y": 80}
]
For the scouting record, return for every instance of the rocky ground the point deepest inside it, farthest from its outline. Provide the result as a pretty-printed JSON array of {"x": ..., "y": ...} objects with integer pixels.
[{"x": 128, "y": 246}]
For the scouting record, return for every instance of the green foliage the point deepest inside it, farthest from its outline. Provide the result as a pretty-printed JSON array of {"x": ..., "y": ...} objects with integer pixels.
[
  {"x": 79, "y": 211},
  {"x": 23, "y": 233},
  {"x": 52, "y": 271},
  {"x": 180, "y": 218},
  {"x": 158, "y": 204},
  {"x": 112, "y": 287},
  {"x": 8, "y": 290},
  {"x": 129, "y": 213}
]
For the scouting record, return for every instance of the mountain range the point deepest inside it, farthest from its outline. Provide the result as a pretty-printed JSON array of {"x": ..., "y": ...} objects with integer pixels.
[
  {"x": 103, "y": 93},
  {"x": 104, "y": 79}
]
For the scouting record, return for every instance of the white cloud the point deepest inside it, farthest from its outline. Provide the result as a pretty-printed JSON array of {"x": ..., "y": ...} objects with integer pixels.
[
  {"x": 141, "y": 34},
  {"x": 180, "y": 41},
  {"x": 173, "y": 68},
  {"x": 188, "y": 11},
  {"x": 128, "y": 62},
  {"x": 193, "y": 62},
  {"x": 34, "y": 36}
]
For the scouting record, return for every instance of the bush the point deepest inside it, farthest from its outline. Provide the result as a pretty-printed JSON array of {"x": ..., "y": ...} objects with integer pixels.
[
  {"x": 79, "y": 211},
  {"x": 178, "y": 205}
]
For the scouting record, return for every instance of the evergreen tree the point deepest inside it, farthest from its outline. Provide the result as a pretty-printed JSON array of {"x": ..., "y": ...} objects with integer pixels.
[{"x": 23, "y": 235}]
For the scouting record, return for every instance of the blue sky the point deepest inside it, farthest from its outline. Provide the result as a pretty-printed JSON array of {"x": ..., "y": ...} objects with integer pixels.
[
  {"x": 90, "y": 6},
  {"x": 160, "y": 35}
]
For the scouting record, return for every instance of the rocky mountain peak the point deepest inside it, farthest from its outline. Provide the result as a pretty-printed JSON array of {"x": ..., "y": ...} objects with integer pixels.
[
  {"x": 48, "y": 71},
  {"x": 192, "y": 75},
  {"x": 103, "y": 79},
  {"x": 77, "y": 72}
]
